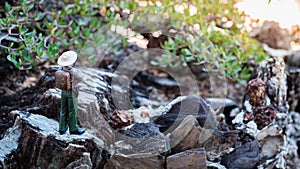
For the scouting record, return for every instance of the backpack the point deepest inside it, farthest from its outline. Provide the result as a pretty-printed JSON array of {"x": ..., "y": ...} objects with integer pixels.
[{"x": 62, "y": 80}]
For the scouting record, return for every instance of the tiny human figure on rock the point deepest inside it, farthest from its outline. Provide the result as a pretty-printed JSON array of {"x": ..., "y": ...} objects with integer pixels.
[{"x": 67, "y": 79}]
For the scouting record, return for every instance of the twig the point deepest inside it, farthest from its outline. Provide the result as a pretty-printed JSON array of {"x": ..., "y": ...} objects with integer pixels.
[{"x": 45, "y": 41}]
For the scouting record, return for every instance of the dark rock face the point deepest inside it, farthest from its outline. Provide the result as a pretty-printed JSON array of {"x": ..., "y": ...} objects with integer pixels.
[
  {"x": 142, "y": 130},
  {"x": 244, "y": 157},
  {"x": 293, "y": 84},
  {"x": 193, "y": 105}
]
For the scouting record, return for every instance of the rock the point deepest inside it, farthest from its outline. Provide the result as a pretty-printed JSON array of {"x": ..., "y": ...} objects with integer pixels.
[
  {"x": 186, "y": 135},
  {"x": 225, "y": 104},
  {"x": 189, "y": 134},
  {"x": 256, "y": 90},
  {"x": 243, "y": 157},
  {"x": 120, "y": 118},
  {"x": 215, "y": 165},
  {"x": 194, "y": 158},
  {"x": 293, "y": 142},
  {"x": 271, "y": 146},
  {"x": 268, "y": 108},
  {"x": 264, "y": 115},
  {"x": 134, "y": 162},
  {"x": 48, "y": 104},
  {"x": 271, "y": 34},
  {"x": 142, "y": 130},
  {"x": 36, "y": 142},
  {"x": 266, "y": 95},
  {"x": 271, "y": 142},
  {"x": 273, "y": 74},
  {"x": 293, "y": 60},
  {"x": 219, "y": 142},
  {"x": 293, "y": 86},
  {"x": 140, "y": 146},
  {"x": 269, "y": 131},
  {"x": 192, "y": 105}
]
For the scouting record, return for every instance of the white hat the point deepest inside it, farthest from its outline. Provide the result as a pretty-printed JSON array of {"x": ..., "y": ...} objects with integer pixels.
[{"x": 67, "y": 58}]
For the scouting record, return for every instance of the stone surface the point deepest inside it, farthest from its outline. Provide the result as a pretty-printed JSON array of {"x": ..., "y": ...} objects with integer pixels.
[
  {"x": 293, "y": 85},
  {"x": 134, "y": 162},
  {"x": 224, "y": 105},
  {"x": 243, "y": 157},
  {"x": 271, "y": 146},
  {"x": 194, "y": 158},
  {"x": 293, "y": 60},
  {"x": 40, "y": 145},
  {"x": 120, "y": 118},
  {"x": 293, "y": 141},
  {"x": 186, "y": 135},
  {"x": 193, "y": 105},
  {"x": 141, "y": 146},
  {"x": 189, "y": 134},
  {"x": 273, "y": 74}
]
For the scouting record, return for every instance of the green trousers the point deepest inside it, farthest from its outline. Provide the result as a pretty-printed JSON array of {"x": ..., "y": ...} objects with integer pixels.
[{"x": 68, "y": 111}]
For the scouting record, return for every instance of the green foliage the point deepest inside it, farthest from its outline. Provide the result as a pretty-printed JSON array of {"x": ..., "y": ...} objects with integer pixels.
[
  {"x": 36, "y": 31},
  {"x": 221, "y": 26},
  {"x": 32, "y": 31}
]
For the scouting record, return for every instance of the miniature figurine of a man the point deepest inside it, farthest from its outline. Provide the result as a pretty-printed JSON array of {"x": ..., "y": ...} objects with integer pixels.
[{"x": 67, "y": 80}]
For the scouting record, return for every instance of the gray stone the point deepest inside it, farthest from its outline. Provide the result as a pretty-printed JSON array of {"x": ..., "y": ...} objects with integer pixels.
[
  {"x": 270, "y": 140},
  {"x": 140, "y": 146},
  {"x": 271, "y": 146},
  {"x": 186, "y": 135},
  {"x": 194, "y": 158},
  {"x": 189, "y": 134},
  {"x": 243, "y": 157}
]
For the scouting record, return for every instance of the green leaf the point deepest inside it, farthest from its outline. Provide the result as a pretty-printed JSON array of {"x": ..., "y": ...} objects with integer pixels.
[
  {"x": 7, "y": 6},
  {"x": 30, "y": 6},
  {"x": 40, "y": 16},
  {"x": 155, "y": 63},
  {"x": 186, "y": 52}
]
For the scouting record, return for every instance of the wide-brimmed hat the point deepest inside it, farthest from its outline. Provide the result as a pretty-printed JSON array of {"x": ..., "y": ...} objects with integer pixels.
[{"x": 67, "y": 58}]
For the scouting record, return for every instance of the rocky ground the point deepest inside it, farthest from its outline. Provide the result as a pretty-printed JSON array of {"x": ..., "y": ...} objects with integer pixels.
[{"x": 146, "y": 121}]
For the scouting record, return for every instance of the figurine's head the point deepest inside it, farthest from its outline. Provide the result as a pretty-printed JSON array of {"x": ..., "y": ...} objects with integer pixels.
[{"x": 68, "y": 58}]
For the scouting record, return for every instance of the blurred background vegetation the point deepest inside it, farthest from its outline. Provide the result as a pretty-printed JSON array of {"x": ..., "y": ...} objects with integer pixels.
[{"x": 35, "y": 32}]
